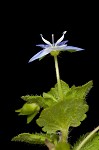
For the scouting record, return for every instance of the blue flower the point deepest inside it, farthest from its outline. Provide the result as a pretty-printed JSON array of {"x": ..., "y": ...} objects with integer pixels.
[{"x": 54, "y": 48}]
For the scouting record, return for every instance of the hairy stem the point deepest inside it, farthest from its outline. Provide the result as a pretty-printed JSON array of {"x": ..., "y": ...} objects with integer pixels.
[
  {"x": 87, "y": 138},
  {"x": 58, "y": 78}
]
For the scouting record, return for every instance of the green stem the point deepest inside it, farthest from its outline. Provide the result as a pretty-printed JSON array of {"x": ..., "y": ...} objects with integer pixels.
[
  {"x": 87, "y": 138},
  {"x": 64, "y": 135},
  {"x": 58, "y": 78}
]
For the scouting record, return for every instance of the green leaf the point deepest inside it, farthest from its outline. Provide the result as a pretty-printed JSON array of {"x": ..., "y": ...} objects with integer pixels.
[
  {"x": 35, "y": 99},
  {"x": 37, "y": 138},
  {"x": 54, "y": 91},
  {"x": 69, "y": 112},
  {"x": 63, "y": 115},
  {"x": 79, "y": 91},
  {"x": 91, "y": 144},
  {"x": 52, "y": 97},
  {"x": 50, "y": 100}
]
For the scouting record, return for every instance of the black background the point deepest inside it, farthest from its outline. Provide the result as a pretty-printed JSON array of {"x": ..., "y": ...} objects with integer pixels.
[{"x": 22, "y": 24}]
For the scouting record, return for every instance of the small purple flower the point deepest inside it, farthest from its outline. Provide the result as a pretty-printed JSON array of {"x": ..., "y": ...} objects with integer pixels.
[{"x": 54, "y": 48}]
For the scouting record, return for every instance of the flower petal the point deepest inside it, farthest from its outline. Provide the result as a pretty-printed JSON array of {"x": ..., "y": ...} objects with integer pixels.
[
  {"x": 42, "y": 45},
  {"x": 40, "y": 54},
  {"x": 62, "y": 37},
  {"x": 72, "y": 48},
  {"x": 47, "y": 42},
  {"x": 62, "y": 43}
]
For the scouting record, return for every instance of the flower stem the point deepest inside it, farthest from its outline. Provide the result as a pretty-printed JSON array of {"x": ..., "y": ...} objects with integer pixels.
[
  {"x": 87, "y": 138},
  {"x": 58, "y": 78}
]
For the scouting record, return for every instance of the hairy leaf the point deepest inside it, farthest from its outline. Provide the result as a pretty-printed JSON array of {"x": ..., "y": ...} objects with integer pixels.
[
  {"x": 37, "y": 138},
  {"x": 53, "y": 95},
  {"x": 62, "y": 115},
  {"x": 35, "y": 99},
  {"x": 69, "y": 112},
  {"x": 79, "y": 91}
]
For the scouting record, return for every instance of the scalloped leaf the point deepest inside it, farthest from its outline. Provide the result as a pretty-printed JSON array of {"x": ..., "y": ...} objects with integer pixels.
[
  {"x": 69, "y": 112},
  {"x": 91, "y": 144},
  {"x": 63, "y": 115},
  {"x": 37, "y": 138},
  {"x": 52, "y": 96}
]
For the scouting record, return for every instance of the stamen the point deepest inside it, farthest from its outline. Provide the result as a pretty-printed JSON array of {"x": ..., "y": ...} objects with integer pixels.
[
  {"x": 47, "y": 42},
  {"x": 53, "y": 39},
  {"x": 62, "y": 37},
  {"x": 64, "y": 32}
]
